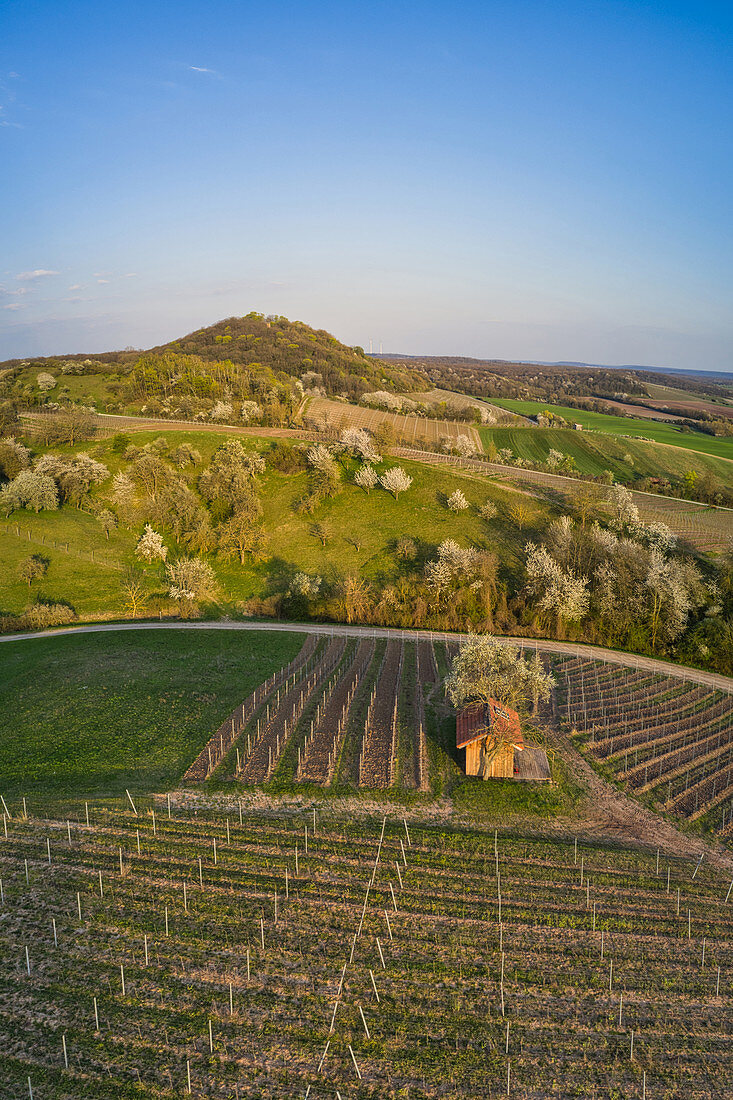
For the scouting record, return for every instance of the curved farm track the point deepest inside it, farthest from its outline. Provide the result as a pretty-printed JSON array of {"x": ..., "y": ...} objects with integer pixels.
[{"x": 543, "y": 645}]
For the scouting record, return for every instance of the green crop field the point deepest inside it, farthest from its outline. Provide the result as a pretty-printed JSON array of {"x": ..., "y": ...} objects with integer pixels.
[
  {"x": 596, "y": 452},
  {"x": 627, "y": 426},
  {"x": 93, "y": 714}
]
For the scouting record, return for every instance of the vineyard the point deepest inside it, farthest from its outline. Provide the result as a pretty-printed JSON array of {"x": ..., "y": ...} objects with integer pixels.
[
  {"x": 344, "y": 711},
  {"x": 708, "y": 529},
  {"x": 408, "y": 429},
  {"x": 178, "y": 949},
  {"x": 666, "y": 739}
]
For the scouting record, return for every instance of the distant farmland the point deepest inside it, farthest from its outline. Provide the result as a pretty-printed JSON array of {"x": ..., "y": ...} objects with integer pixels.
[
  {"x": 596, "y": 452},
  {"x": 407, "y": 428},
  {"x": 656, "y": 431}
]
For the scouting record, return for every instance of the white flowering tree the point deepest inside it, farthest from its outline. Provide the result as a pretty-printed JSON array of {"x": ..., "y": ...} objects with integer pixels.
[
  {"x": 562, "y": 539},
  {"x": 439, "y": 577},
  {"x": 222, "y": 410},
  {"x": 30, "y": 489},
  {"x": 250, "y": 411},
  {"x": 360, "y": 444},
  {"x": 457, "y": 502},
  {"x": 674, "y": 589},
  {"x": 465, "y": 446},
  {"x": 150, "y": 546},
  {"x": 75, "y": 475},
  {"x": 191, "y": 582},
  {"x": 108, "y": 520},
  {"x": 455, "y": 565},
  {"x": 461, "y": 559},
  {"x": 658, "y": 536},
  {"x": 395, "y": 480},
  {"x": 14, "y": 456},
  {"x": 123, "y": 495},
  {"x": 319, "y": 457},
  {"x": 366, "y": 478},
  {"x": 45, "y": 381},
  {"x": 488, "y": 510},
  {"x": 624, "y": 512},
  {"x": 558, "y": 591},
  {"x": 305, "y": 585},
  {"x": 485, "y": 668}
]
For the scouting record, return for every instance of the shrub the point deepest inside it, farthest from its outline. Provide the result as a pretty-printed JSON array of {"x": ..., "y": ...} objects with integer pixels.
[
  {"x": 30, "y": 490},
  {"x": 457, "y": 502}
]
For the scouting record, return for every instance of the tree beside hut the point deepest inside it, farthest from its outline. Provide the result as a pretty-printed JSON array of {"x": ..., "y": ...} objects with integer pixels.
[{"x": 491, "y": 683}]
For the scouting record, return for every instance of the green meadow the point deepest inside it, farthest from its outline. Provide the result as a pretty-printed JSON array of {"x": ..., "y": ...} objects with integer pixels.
[{"x": 87, "y": 716}]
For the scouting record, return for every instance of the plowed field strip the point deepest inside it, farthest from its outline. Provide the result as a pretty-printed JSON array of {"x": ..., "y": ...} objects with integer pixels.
[
  {"x": 322, "y": 751},
  {"x": 266, "y": 752},
  {"x": 376, "y": 755}
]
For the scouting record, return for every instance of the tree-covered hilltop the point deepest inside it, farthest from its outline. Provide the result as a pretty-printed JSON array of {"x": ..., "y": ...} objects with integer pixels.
[
  {"x": 293, "y": 348},
  {"x": 266, "y": 361}
]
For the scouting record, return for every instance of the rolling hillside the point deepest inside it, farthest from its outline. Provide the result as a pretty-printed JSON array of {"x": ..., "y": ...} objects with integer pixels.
[
  {"x": 628, "y": 426},
  {"x": 595, "y": 452},
  {"x": 360, "y": 531}
]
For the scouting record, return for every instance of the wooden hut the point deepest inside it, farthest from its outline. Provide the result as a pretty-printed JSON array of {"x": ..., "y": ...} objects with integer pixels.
[{"x": 490, "y": 734}]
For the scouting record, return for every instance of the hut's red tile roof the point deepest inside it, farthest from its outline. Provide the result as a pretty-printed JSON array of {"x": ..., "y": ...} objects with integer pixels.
[
  {"x": 479, "y": 719},
  {"x": 470, "y": 724}
]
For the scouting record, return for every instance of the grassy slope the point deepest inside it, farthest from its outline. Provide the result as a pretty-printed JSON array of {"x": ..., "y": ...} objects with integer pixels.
[
  {"x": 624, "y": 425},
  {"x": 91, "y": 715},
  {"x": 377, "y": 520}
]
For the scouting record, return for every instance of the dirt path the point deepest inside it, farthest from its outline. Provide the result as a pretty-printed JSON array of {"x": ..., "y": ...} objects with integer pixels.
[{"x": 542, "y": 645}]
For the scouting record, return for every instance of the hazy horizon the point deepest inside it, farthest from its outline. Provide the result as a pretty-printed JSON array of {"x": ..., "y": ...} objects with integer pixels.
[
  {"x": 517, "y": 181},
  {"x": 376, "y": 352}
]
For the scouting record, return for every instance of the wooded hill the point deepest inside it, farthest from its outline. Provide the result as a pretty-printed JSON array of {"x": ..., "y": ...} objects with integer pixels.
[
  {"x": 293, "y": 348},
  {"x": 268, "y": 360}
]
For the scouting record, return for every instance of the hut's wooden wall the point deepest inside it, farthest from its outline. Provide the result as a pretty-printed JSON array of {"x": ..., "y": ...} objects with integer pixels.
[{"x": 502, "y": 766}]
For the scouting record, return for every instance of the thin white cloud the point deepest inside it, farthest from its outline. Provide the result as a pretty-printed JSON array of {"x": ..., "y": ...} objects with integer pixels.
[
  {"x": 130, "y": 275},
  {"x": 76, "y": 286},
  {"x": 198, "y": 69},
  {"x": 39, "y": 273},
  {"x": 103, "y": 282},
  {"x": 13, "y": 306}
]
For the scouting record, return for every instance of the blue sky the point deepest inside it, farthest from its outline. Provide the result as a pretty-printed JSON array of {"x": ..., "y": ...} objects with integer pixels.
[{"x": 526, "y": 179}]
